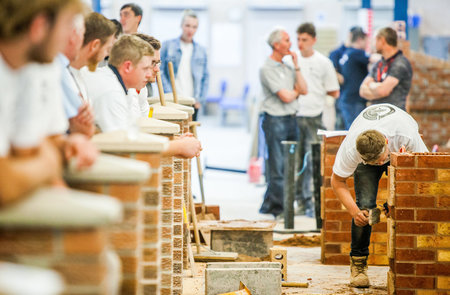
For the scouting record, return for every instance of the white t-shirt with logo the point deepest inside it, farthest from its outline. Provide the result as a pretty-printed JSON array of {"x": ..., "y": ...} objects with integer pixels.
[
  {"x": 396, "y": 125},
  {"x": 320, "y": 77},
  {"x": 184, "y": 80}
]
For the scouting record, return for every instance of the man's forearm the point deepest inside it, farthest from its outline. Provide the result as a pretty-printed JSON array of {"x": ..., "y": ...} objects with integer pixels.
[
  {"x": 301, "y": 83},
  {"x": 341, "y": 190},
  {"x": 366, "y": 92}
]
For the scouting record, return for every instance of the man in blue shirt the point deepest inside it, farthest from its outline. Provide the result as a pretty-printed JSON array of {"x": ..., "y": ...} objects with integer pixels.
[
  {"x": 354, "y": 63},
  {"x": 189, "y": 63},
  {"x": 335, "y": 56}
]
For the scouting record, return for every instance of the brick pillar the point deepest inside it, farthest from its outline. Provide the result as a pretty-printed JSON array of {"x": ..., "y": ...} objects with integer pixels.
[
  {"x": 121, "y": 178},
  {"x": 64, "y": 230},
  {"x": 180, "y": 181},
  {"x": 145, "y": 148},
  {"x": 336, "y": 230},
  {"x": 169, "y": 190},
  {"x": 419, "y": 227}
]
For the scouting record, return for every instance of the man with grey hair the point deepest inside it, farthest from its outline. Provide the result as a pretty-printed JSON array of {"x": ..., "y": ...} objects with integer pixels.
[
  {"x": 281, "y": 86},
  {"x": 189, "y": 60}
]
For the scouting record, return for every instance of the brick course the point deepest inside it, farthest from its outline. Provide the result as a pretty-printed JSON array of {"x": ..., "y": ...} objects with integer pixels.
[{"x": 419, "y": 244}]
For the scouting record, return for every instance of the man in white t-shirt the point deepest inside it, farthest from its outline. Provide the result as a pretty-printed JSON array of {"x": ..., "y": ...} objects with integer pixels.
[
  {"x": 32, "y": 120},
  {"x": 365, "y": 153},
  {"x": 321, "y": 79},
  {"x": 190, "y": 63}
]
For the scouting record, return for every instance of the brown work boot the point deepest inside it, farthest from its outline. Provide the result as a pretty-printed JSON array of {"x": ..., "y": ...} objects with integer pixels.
[{"x": 358, "y": 268}]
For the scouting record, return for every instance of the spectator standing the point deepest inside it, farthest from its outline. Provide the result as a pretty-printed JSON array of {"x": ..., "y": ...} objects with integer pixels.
[
  {"x": 390, "y": 78},
  {"x": 335, "y": 56},
  {"x": 130, "y": 17},
  {"x": 321, "y": 79},
  {"x": 281, "y": 86},
  {"x": 354, "y": 64},
  {"x": 190, "y": 63}
]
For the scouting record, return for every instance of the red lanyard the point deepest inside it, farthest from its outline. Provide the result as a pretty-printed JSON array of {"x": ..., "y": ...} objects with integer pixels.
[{"x": 381, "y": 72}]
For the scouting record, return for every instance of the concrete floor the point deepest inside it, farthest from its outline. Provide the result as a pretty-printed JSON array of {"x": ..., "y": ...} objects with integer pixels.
[{"x": 229, "y": 147}]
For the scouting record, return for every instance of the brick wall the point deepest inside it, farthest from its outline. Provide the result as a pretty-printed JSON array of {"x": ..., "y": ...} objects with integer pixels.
[
  {"x": 125, "y": 237},
  {"x": 336, "y": 229},
  {"x": 429, "y": 98},
  {"x": 419, "y": 228}
]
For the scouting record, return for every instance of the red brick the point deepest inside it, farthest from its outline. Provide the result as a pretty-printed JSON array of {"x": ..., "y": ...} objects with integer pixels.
[
  {"x": 404, "y": 268},
  {"x": 438, "y": 161},
  {"x": 433, "y": 215},
  {"x": 329, "y": 194},
  {"x": 414, "y": 255},
  {"x": 332, "y": 248},
  {"x": 404, "y": 188},
  {"x": 124, "y": 240},
  {"x": 337, "y": 237},
  {"x": 415, "y": 201},
  {"x": 153, "y": 159},
  {"x": 380, "y": 227},
  {"x": 404, "y": 241},
  {"x": 444, "y": 201},
  {"x": 415, "y": 174},
  {"x": 341, "y": 215},
  {"x": 84, "y": 242},
  {"x": 414, "y": 282},
  {"x": 401, "y": 160},
  {"x": 81, "y": 273},
  {"x": 329, "y": 160},
  {"x": 333, "y": 205},
  {"x": 338, "y": 259},
  {"x": 333, "y": 140},
  {"x": 435, "y": 269},
  {"x": 403, "y": 214},
  {"x": 331, "y": 225},
  {"x": 405, "y": 292},
  {"x": 26, "y": 242},
  {"x": 414, "y": 228}
]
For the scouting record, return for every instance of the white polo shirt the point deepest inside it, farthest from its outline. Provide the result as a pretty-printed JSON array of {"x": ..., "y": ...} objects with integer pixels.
[
  {"x": 109, "y": 100},
  {"x": 395, "y": 124}
]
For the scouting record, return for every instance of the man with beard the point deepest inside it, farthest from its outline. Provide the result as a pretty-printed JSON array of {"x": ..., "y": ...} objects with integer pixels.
[
  {"x": 389, "y": 80},
  {"x": 32, "y": 147},
  {"x": 89, "y": 44}
]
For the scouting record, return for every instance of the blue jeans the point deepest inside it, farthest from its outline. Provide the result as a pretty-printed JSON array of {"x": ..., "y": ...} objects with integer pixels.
[
  {"x": 366, "y": 178},
  {"x": 307, "y": 128},
  {"x": 350, "y": 111},
  {"x": 276, "y": 129}
]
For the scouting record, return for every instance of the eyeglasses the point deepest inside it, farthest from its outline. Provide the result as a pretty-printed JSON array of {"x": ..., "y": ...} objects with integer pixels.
[{"x": 156, "y": 64}]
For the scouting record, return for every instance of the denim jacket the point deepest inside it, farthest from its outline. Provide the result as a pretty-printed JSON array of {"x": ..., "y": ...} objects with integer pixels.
[{"x": 171, "y": 51}]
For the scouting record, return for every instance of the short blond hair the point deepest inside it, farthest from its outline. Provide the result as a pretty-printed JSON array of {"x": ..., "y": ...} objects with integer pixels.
[
  {"x": 129, "y": 48},
  {"x": 370, "y": 145},
  {"x": 16, "y": 16}
]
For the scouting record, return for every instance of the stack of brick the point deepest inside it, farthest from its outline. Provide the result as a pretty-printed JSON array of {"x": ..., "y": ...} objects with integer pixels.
[
  {"x": 336, "y": 229},
  {"x": 429, "y": 95},
  {"x": 171, "y": 182},
  {"x": 419, "y": 226},
  {"x": 147, "y": 148},
  {"x": 122, "y": 179},
  {"x": 180, "y": 182},
  {"x": 64, "y": 230}
]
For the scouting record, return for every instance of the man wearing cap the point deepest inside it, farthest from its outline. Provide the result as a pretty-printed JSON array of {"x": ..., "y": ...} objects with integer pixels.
[{"x": 365, "y": 153}]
